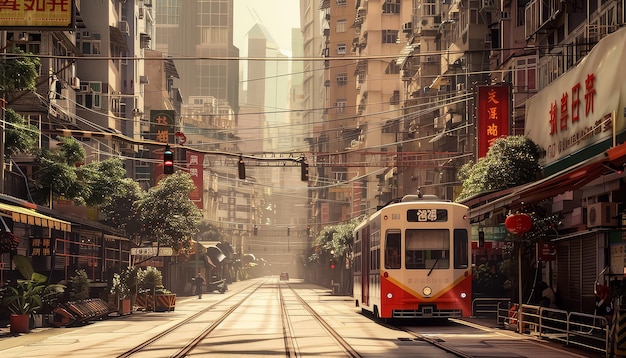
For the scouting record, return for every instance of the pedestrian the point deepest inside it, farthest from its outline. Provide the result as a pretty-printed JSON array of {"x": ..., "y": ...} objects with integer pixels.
[{"x": 199, "y": 281}]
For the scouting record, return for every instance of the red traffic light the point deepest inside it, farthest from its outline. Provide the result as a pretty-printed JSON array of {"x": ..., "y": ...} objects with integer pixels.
[
  {"x": 332, "y": 264},
  {"x": 168, "y": 161}
]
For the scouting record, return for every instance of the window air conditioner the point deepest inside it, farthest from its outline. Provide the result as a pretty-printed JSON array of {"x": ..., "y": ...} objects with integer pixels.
[{"x": 601, "y": 214}]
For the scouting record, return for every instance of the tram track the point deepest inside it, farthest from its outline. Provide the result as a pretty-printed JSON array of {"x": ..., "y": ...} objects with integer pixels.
[
  {"x": 342, "y": 343},
  {"x": 434, "y": 342},
  {"x": 194, "y": 342}
]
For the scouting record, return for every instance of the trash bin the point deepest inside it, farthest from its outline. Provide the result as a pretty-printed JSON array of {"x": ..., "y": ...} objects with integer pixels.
[{"x": 335, "y": 289}]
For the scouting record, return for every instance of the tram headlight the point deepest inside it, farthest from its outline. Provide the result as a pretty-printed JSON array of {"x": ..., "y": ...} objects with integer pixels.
[
  {"x": 463, "y": 294},
  {"x": 427, "y": 291},
  {"x": 389, "y": 295}
]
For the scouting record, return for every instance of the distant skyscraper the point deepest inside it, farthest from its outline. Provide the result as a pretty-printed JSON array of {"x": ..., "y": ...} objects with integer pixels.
[{"x": 206, "y": 32}]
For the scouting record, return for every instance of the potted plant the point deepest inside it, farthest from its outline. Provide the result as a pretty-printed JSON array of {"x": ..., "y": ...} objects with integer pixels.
[
  {"x": 27, "y": 296},
  {"x": 153, "y": 296}
]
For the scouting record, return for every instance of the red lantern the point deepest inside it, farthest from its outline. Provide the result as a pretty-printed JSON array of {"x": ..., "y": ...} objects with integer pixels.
[{"x": 518, "y": 223}]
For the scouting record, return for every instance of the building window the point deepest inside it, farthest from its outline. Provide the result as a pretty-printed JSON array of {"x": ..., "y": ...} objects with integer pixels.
[
  {"x": 390, "y": 36},
  {"x": 88, "y": 42},
  {"x": 341, "y": 49},
  {"x": 340, "y": 105},
  {"x": 342, "y": 79},
  {"x": 391, "y": 7},
  {"x": 429, "y": 8},
  {"x": 90, "y": 94},
  {"x": 341, "y": 2},
  {"x": 341, "y": 26},
  {"x": 526, "y": 72}
]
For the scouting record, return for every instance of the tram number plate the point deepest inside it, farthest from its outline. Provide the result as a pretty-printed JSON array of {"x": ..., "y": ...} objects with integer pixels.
[{"x": 427, "y": 215}]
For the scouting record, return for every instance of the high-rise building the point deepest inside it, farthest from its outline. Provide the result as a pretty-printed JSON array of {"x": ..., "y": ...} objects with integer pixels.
[{"x": 192, "y": 31}]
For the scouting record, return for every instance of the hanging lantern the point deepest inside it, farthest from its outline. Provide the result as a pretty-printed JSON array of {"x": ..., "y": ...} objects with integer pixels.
[{"x": 518, "y": 224}]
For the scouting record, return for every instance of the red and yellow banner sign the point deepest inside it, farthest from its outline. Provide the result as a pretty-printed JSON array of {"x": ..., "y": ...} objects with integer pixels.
[
  {"x": 492, "y": 115},
  {"x": 33, "y": 14},
  {"x": 195, "y": 163}
]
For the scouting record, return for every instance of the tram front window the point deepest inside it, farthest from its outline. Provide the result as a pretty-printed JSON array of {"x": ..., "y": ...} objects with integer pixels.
[{"x": 427, "y": 249}]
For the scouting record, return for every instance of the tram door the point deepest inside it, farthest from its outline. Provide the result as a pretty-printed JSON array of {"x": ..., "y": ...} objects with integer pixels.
[{"x": 365, "y": 267}]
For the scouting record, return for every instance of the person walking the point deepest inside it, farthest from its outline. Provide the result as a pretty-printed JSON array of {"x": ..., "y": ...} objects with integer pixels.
[{"x": 199, "y": 282}]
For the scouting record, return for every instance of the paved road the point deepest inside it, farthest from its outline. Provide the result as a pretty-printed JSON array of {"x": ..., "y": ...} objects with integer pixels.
[{"x": 111, "y": 337}]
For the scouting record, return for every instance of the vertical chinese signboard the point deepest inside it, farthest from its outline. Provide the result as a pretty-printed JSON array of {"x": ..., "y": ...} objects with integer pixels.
[
  {"x": 37, "y": 14},
  {"x": 493, "y": 112},
  {"x": 40, "y": 246},
  {"x": 195, "y": 165},
  {"x": 162, "y": 123}
]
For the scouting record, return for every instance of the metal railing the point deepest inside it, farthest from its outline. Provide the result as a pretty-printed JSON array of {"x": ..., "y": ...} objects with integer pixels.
[{"x": 572, "y": 328}]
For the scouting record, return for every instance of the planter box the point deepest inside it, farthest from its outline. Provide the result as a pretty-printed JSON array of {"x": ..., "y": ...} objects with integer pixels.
[
  {"x": 164, "y": 302},
  {"x": 124, "y": 307}
]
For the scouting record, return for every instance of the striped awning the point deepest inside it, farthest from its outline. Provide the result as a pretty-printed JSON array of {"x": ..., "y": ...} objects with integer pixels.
[{"x": 31, "y": 217}]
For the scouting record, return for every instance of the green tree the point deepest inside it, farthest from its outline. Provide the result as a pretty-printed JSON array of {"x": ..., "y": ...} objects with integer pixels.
[
  {"x": 511, "y": 161},
  {"x": 166, "y": 214},
  {"x": 336, "y": 243},
  {"x": 18, "y": 72},
  {"x": 103, "y": 178},
  {"x": 20, "y": 136},
  {"x": 118, "y": 210},
  {"x": 209, "y": 232},
  {"x": 63, "y": 174}
]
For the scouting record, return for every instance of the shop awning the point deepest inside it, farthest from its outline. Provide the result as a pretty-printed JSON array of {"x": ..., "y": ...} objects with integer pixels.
[{"x": 31, "y": 217}]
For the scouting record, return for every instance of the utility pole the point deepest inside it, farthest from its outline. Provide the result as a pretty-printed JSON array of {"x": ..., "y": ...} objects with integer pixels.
[{"x": 3, "y": 105}]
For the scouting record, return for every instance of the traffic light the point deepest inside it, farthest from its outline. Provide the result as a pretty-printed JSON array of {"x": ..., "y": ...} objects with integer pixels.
[
  {"x": 242, "y": 168},
  {"x": 304, "y": 171},
  {"x": 168, "y": 160},
  {"x": 256, "y": 230},
  {"x": 332, "y": 264},
  {"x": 288, "y": 231}
]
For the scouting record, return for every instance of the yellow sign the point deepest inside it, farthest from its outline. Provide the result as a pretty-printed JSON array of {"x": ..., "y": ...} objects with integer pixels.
[{"x": 37, "y": 13}]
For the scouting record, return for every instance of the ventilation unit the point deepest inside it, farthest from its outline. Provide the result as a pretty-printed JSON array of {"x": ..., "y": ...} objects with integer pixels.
[{"x": 601, "y": 214}]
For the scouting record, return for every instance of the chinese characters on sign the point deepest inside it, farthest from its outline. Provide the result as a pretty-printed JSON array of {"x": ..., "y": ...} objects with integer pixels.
[
  {"x": 162, "y": 124},
  {"x": 427, "y": 215},
  {"x": 37, "y": 13},
  {"x": 195, "y": 163},
  {"x": 493, "y": 115},
  {"x": 40, "y": 246},
  {"x": 566, "y": 112}
]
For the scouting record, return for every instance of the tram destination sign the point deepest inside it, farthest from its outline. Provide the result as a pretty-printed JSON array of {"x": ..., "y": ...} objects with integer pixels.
[
  {"x": 427, "y": 215},
  {"x": 152, "y": 251}
]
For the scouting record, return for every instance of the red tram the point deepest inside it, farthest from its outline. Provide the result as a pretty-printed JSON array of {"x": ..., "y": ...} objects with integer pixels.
[{"x": 412, "y": 259}]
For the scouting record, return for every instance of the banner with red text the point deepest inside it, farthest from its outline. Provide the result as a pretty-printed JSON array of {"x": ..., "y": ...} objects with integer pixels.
[
  {"x": 584, "y": 106},
  {"x": 37, "y": 14},
  {"x": 493, "y": 115},
  {"x": 195, "y": 163}
]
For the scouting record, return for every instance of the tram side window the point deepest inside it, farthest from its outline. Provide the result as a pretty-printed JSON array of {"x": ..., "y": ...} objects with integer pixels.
[
  {"x": 392, "y": 251},
  {"x": 427, "y": 249},
  {"x": 461, "y": 247}
]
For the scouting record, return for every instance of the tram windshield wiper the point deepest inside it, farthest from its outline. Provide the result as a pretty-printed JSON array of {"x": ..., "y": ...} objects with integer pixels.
[{"x": 432, "y": 268}]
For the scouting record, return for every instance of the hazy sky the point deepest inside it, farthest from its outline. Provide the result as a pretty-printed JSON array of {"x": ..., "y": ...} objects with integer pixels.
[{"x": 279, "y": 17}]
